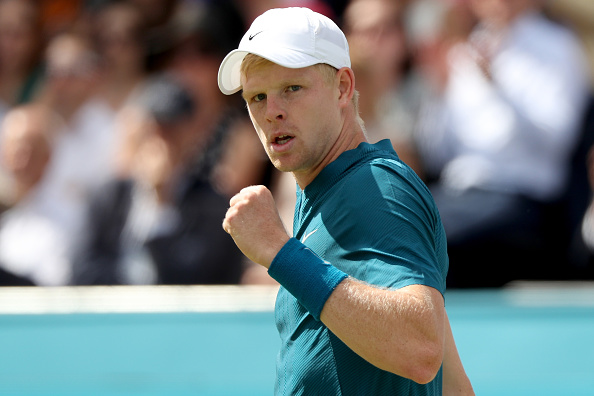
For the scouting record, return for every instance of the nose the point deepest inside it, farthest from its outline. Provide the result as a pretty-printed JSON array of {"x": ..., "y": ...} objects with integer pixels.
[{"x": 275, "y": 111}]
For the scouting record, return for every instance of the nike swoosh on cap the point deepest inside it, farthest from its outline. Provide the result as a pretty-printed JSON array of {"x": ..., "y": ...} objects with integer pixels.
[{"x": 254, "y": 35}]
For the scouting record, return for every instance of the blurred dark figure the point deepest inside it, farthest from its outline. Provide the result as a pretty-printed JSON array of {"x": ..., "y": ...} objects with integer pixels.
[
  {"x": 157, "y": 13},
  {"x": 499, "y": 139},
  {"x": 379, "y": 55},
  {"x": 583, "y": 245},
  {"x": 59, "y": 16},
  {"x": 161, "y": 225},
  {"x": 84, "y": 152},
  {"x": 33, "y": 245},
  {"x": 252, "y": 8},
  {"x": 21, "y": 46},
  {"x": 579, "y": 15},
  {"x": 232, "y": 157},
  {"x": 21, "y": 70},
  {"x": 119, "y": 30},
  {"x": 160, "y": 27}
]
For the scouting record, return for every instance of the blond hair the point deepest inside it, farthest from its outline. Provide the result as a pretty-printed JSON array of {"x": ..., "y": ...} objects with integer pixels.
[{"x": 252, "y": 61}]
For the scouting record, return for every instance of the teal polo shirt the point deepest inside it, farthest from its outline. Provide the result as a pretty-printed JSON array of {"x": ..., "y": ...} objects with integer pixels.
[{"x": 369, "y": 215}]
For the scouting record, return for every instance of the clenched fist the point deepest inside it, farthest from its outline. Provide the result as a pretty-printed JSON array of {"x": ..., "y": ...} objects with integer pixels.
[{"x": 255, "y": 225}]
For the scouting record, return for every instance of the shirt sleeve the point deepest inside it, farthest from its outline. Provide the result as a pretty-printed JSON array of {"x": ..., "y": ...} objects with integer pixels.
[{"x": 388, "y": 229}]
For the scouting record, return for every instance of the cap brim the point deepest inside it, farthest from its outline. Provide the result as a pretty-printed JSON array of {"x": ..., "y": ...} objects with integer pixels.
[
  {"x": 229, "y": 81},
  {"x": 229, "y": 71}
]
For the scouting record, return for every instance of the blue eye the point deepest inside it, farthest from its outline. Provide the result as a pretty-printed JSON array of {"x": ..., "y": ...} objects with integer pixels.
[{"x": 294, "y": 88}]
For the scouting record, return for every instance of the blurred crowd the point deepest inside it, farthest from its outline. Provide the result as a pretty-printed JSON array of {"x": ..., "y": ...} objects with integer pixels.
[{"x": 119, "y": 153}]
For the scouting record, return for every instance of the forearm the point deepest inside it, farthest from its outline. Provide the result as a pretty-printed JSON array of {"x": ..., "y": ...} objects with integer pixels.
[
  {"x": 400, "y": 331},
  {"x": 455, "y": 380}
]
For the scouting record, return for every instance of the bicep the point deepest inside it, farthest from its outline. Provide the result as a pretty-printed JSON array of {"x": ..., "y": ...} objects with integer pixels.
[{"x": 400, "y": 330}]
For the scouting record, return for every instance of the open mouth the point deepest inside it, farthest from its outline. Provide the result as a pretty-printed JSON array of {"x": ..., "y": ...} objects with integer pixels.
[{"x": 282, "y": 139}]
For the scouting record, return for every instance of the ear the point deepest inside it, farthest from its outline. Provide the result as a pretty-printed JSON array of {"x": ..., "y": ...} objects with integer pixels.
[{"x": 346, "y": 85}]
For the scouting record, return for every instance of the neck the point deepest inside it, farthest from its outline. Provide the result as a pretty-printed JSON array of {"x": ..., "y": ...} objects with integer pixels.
[{"x": 351, "y": 136}]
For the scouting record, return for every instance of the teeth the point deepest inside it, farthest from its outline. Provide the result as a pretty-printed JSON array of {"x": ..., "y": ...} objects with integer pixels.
[{"x": 282, "y": 139}]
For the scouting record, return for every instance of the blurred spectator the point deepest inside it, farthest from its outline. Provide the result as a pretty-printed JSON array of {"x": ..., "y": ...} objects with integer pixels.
[
  {"x": 500, "y": 140},
  {"x": 584, "y": 247},
  {"x": 118, "y": 30},
  {"x": 84, "y": 147},
  {"x": 251, "y": 9},
  {"x": 433, "y": 27},
  {"x": 160, "y": 225},
  {"x": 157, "y": 13},
  {"x": 33, "y": 245},
  {"x": 232, "y": 157},
  {"x": 20, "y": 52},
  {"x": 579, "y": 15},
  {"x": 379, "y": 56},
  {"x": 21, "y": 71},
  {"x": 58, "y": 16},
  {"x": 158, "y": 17}
]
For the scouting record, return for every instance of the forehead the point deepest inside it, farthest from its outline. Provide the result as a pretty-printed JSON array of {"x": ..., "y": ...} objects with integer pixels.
[{"x": 270, "y": 75}]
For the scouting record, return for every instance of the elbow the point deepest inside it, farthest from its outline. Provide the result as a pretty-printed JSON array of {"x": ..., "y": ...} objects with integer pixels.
[
  {"x": 428, "y": 365},
  {"x": 422, "y": 366},
  {"x": 424, "y": 375}
]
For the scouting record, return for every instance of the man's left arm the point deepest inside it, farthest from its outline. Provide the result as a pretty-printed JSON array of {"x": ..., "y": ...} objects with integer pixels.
[{"x": 400, "y": 331}]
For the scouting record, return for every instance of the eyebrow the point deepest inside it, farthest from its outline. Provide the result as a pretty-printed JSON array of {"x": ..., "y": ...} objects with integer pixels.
[
  {"x": 286, "y": 81},
  {"x": 280, "y": 84}
]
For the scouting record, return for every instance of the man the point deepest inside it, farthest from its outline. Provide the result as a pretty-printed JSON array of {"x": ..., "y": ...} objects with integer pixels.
[
  {"x": 154, "y": 225},
  {"x": 361, "y": 307},
  {"x": 499, "y": 139},
  {"x": 33, "y": 240}
]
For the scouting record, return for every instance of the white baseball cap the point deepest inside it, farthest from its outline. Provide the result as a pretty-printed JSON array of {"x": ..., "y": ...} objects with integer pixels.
[{"x": 292, "y": 37}]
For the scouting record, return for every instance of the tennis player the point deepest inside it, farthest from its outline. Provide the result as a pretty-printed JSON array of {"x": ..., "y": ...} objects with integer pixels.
[{"x": 361, "y": 309}]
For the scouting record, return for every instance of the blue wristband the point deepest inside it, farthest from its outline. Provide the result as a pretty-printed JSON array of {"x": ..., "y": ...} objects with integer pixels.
[{"x": 305, "y": 275}]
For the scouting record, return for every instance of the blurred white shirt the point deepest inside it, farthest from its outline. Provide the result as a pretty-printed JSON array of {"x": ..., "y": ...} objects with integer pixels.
[
  {"x": 33, "y": 244},
  {"x": 82, "y": 161},
  {"x": 38, "y": 235},
  {"x": 516, "y": 132}
]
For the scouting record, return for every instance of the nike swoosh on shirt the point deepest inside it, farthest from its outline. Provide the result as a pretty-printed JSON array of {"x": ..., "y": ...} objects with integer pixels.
[{"x": 308, "y": 235}]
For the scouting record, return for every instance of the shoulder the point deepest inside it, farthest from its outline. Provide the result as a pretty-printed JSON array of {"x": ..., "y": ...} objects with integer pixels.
[
  {"x": 385, "y": 216},
  {"x": 387, "y": 178},
  {"x": 382, "y": 197},
  {"x": 373, "y": 183}
]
